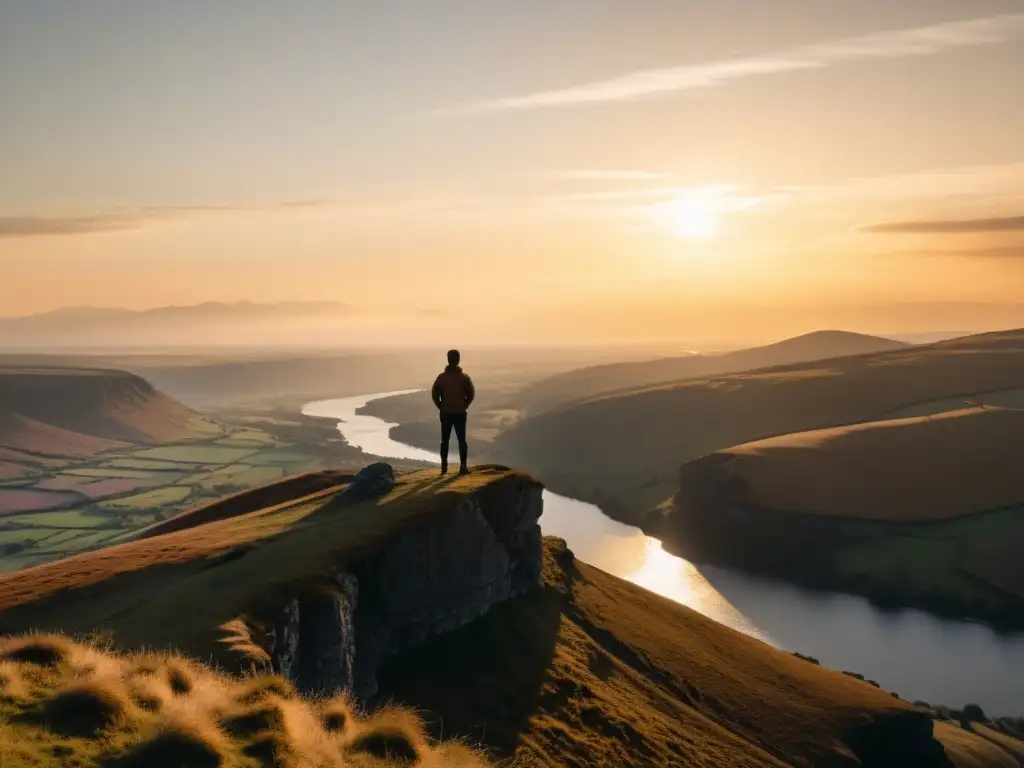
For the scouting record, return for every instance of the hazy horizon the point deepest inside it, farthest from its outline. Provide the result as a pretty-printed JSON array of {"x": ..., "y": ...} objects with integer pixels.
[{"x": 520, "y": 173}]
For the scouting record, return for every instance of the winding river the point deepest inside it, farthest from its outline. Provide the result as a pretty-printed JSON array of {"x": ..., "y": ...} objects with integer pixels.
[{"x": 920, "y": 656}]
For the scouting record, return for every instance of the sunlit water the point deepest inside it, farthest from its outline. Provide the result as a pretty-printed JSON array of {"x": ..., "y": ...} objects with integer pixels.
[{"x": 915, "y": 654}]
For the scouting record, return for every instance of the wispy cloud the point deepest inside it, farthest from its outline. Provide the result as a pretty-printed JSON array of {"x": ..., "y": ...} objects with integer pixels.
[
  {"x": 1004, "y": 252},
  {"x": 917, "y": 41},
  {"x": 40, "y": 226},
  {"x": 134, "y": 218},
  {"x": 607, "y": 175},
  {"x": 950, "y": 226}
]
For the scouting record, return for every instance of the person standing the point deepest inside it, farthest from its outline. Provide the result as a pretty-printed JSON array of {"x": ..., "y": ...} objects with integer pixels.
[{"x": 453, "y": 393}]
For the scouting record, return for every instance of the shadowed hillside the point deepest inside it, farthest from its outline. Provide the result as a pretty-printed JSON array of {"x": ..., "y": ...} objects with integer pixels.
[
  {"x": 623, "y": 451},
  {"x": 573, "y": 668},
  {"x": 585, "y": 383},
  {"x": 80, "y": 412}
]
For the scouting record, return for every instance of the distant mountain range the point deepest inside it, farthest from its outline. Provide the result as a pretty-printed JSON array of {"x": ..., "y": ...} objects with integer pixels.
[{"x": 205, "y": 324}]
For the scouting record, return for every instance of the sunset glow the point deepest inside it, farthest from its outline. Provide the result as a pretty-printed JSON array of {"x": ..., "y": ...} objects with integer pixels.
[
  {"x": 748, "y": 175},
  {"x": 691, "y": 218}
]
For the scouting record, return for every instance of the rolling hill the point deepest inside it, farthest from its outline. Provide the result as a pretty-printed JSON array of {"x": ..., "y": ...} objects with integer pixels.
[
  {"x": 920, "y": 469},
  {"x": 585, "y": 383},
  {"x": 920, "y": 511},
  {"x": 542, "y": 661},
  {"x": 82, "y": 412},
  {"x": 623, "y": 451}
]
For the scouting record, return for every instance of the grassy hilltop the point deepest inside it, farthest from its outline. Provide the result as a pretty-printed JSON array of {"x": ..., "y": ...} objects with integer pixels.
[{"x": 231, "y": 561}]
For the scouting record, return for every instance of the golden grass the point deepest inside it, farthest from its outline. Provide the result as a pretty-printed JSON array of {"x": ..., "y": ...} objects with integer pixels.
[
  {"x": 905, "y": 470},
  {"x": 94, "y": 707}
]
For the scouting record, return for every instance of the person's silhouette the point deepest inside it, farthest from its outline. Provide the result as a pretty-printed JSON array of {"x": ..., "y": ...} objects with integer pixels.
[{"x": 453, "y": 393}]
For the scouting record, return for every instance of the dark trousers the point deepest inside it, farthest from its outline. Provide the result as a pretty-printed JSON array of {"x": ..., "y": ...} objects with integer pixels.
[{"x": 456, "y": 421}]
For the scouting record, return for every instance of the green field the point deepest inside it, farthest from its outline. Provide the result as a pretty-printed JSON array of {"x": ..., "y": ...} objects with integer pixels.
[
  {"x": 104, "y": 472},
  {"x": 279, "y": 457},
  {"x": 154, "y": 499},
  {"x": 236, "y": 476},
  {"x": 176, "y": 477},
  {"x": 197, "y": 454},
  {"x": 74, "y": 517},
  {"x": 148, "y": 464}
]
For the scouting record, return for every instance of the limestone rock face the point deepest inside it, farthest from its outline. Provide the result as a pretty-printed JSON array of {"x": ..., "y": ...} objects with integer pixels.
[{"x": 430, "y": 579}]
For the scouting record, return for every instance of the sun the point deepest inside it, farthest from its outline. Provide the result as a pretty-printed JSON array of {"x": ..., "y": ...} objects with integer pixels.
[{"x": 690, "y": 218}]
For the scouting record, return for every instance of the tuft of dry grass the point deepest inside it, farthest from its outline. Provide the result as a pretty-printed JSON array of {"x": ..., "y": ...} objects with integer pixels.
[
  {"x": 336, "y": 714},
  {"x": 392, "y": 734},
  {"x": 174, "y": 744},
  {"x": 11, "y": 684},
  {"x": 40, "y": 650},
  {"x": 85, "y": 709},
  {"x": 265, "y": 715},
  {"x": 178, "y": 678},
  {"x": 64, "y": 703}
]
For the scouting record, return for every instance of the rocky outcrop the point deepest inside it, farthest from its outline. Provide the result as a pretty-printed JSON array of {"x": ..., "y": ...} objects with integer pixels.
[{"x": 430, "y": 579}]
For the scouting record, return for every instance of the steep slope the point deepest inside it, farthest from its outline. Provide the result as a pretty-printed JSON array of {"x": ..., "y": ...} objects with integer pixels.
[
  {"x": 623, "y": 451},
  {"x": 81, "y": 412},
  {"x": 585, "y": 383},
  {"x": 595, "y": 671},
  {"x": 923, "y": 511}
]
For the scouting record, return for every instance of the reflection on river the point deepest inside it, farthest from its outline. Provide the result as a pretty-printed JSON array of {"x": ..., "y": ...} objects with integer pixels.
[{"x": 915, "y": 654}]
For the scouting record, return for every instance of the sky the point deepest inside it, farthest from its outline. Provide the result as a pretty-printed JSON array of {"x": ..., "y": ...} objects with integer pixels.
[{"x": 539, "y": 169}]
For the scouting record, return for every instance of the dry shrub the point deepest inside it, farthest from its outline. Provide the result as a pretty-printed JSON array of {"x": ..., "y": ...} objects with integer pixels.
[
  {"x": 392, "y": 734},
  {"x": 176, "y": 744},
  {"x": 239, "y": 638},
  {"x": 85, "y": 709},
  {"x": 41, "y": 650}
]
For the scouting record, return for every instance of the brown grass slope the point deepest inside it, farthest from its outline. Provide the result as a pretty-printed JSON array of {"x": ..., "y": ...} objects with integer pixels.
[
  {"x": 585, "y": 383},
  {"x": 595, "y": 671},
  {"x": 210, "y": 575},
  {"x": 71, "y": 704},
  {"x": 902, "y": 470},
  {"x": 65, "y": 411},
  {"x": 253, "y": 500},
  {"x": 624, "y": 450}
]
